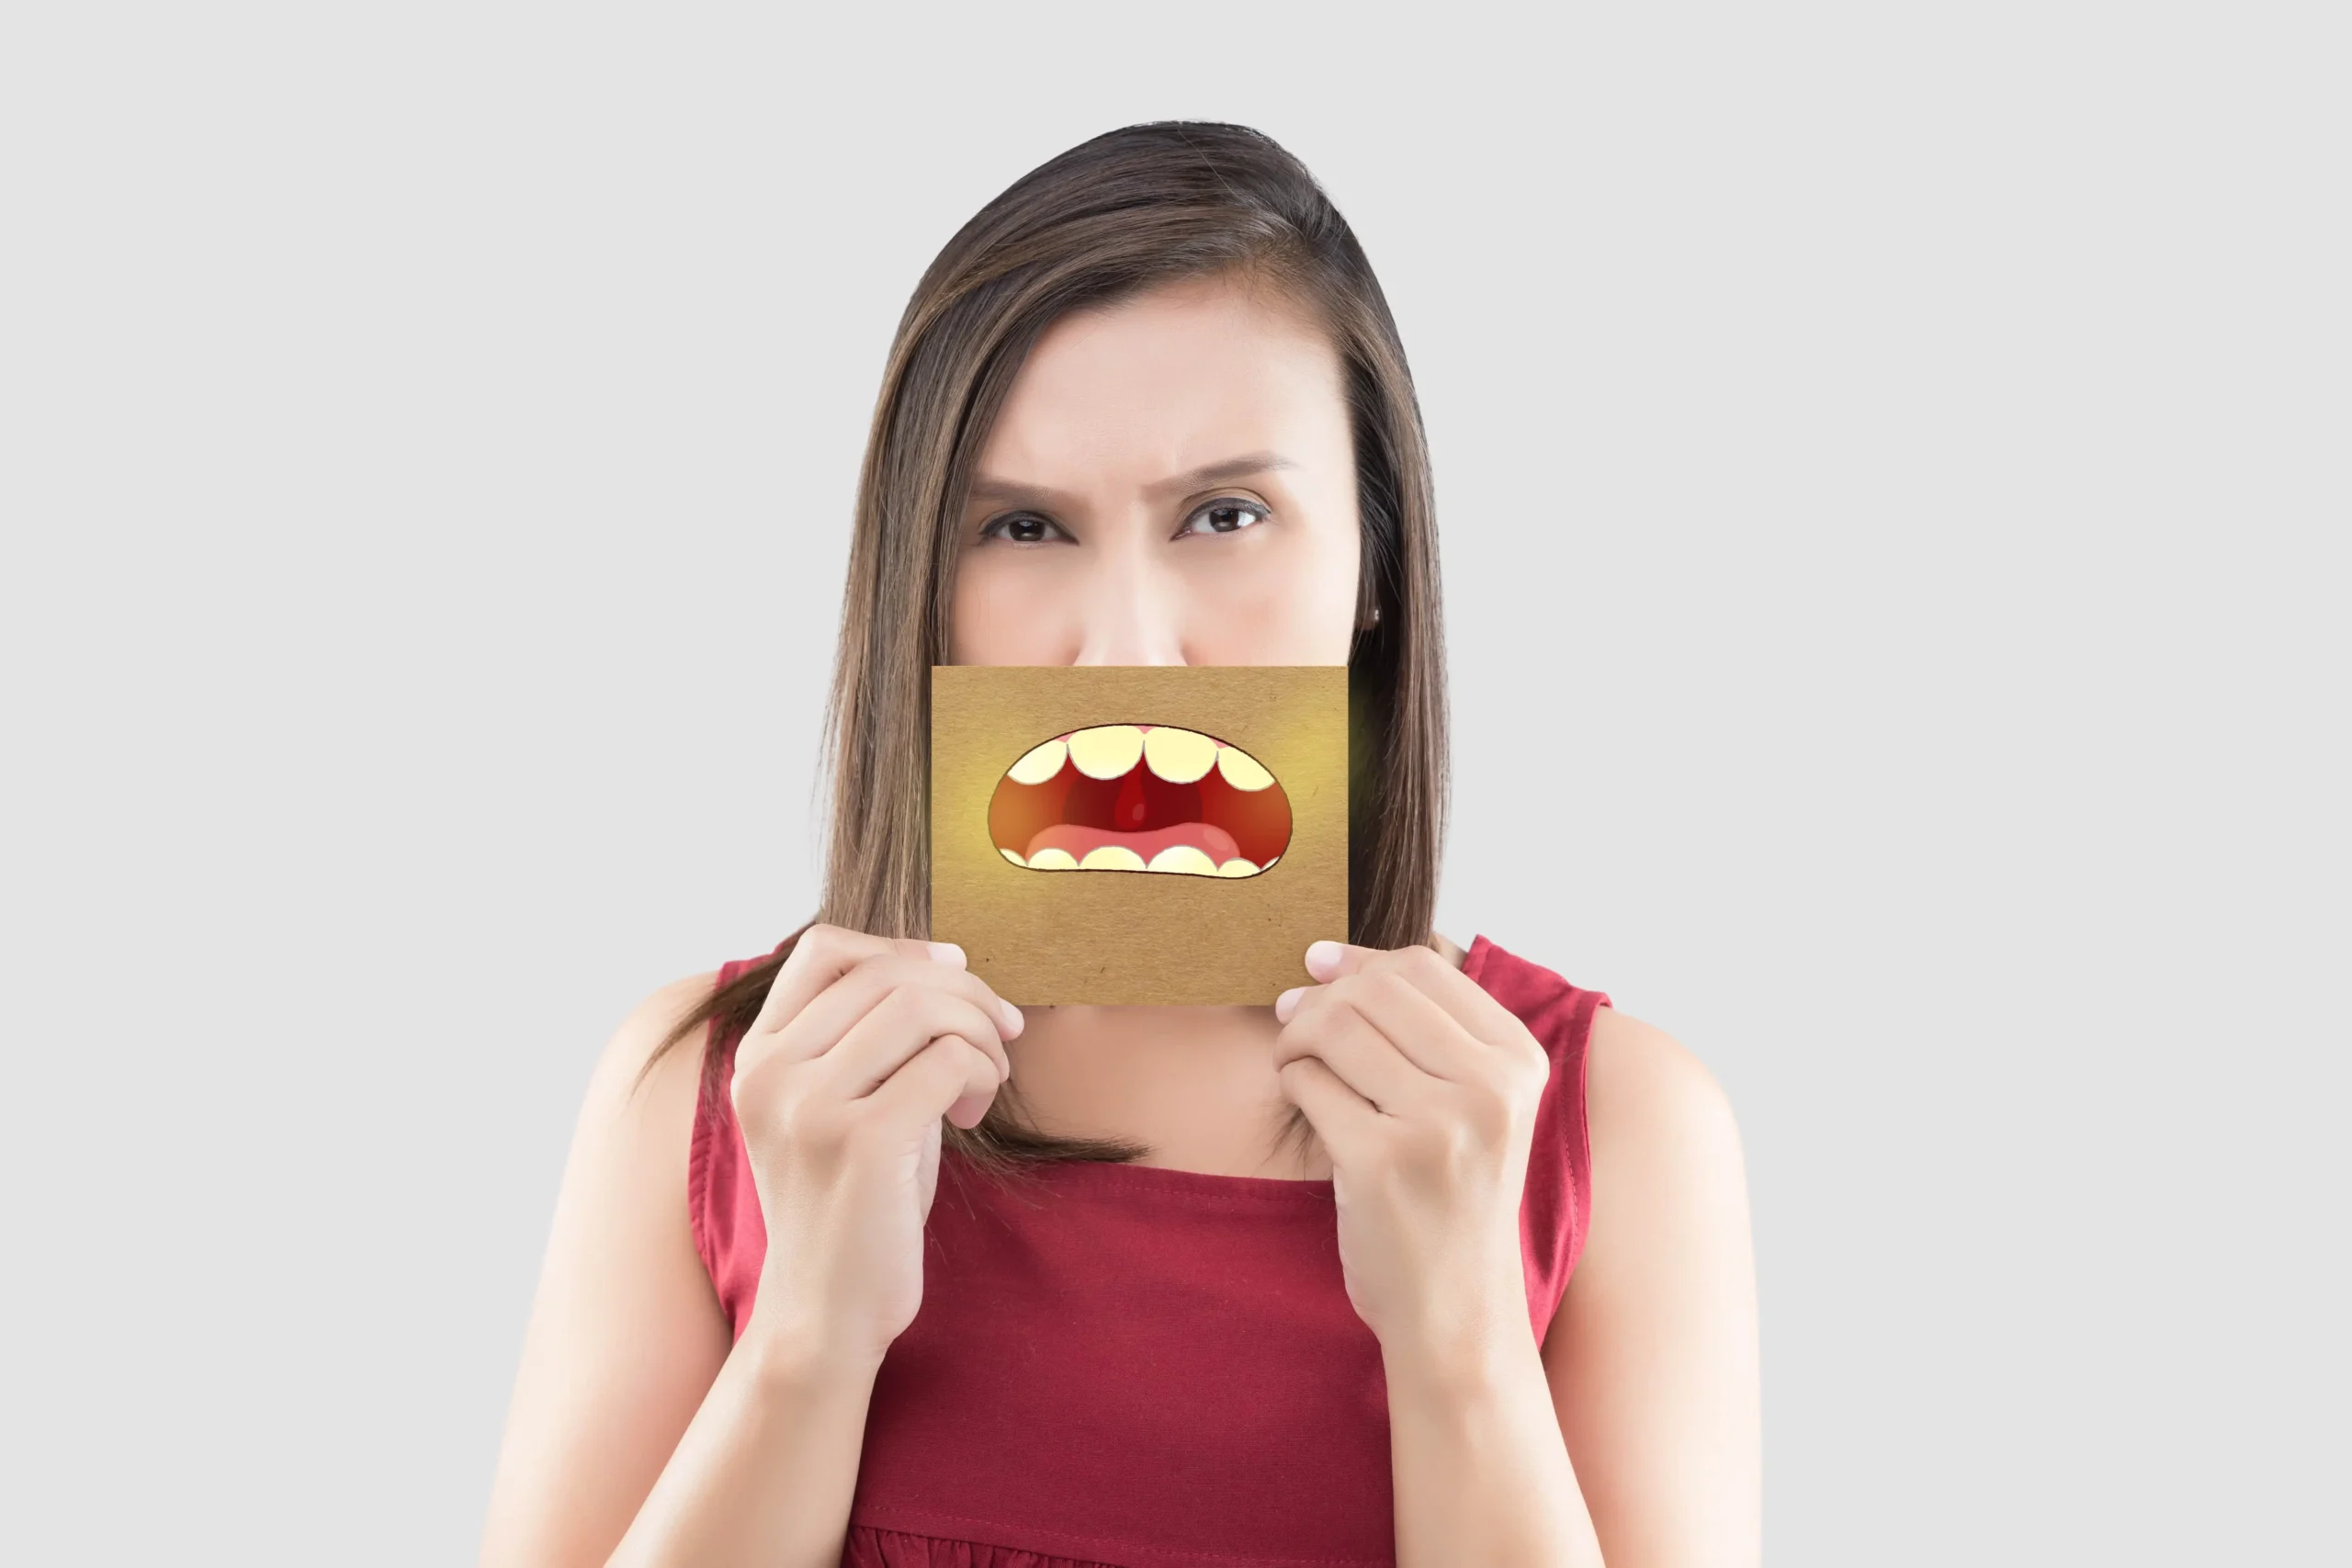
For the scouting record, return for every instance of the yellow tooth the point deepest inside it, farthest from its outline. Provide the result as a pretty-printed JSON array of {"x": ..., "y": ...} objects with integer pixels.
[
  {"x": 1053, "y": 860},
  {"x": 1106, "y": 751},
  {"x": 1010, "y": 856},
  {"x": 1039, "y": 766},
  {"x": 1241, "y": 771},
  {"x": 1237, "y": 868},
  {"x": 1183, "y": 857},
  {"x": 1269, "y": 864},
  {"x": 1111, "y": 857},
  {"x": 1180, "y": 756}
]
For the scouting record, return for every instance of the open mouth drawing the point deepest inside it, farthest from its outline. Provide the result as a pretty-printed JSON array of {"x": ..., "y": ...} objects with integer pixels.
[{"x": 1139, "y": 797}]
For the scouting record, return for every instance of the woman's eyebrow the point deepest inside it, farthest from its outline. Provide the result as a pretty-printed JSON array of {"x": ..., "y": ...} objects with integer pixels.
[
  {"x": 1013, "y": 492},
  {"x": 1217, "y": 473}
]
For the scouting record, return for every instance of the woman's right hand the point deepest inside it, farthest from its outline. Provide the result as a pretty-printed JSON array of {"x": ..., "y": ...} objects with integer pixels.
[{"x": 862, "y": 1045}]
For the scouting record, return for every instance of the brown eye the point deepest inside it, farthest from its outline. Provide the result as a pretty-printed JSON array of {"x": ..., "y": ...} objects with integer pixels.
[
  {"x": 1021, "y": 528},
  {"x": 1230, "y": 515}
]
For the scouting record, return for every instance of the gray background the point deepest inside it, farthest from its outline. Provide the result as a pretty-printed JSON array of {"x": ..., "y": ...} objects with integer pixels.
[{"x": 1893, "y": 472}]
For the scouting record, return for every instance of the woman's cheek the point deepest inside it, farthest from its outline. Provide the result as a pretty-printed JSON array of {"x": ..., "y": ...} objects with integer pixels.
[{"x": 1001, "y": 615}]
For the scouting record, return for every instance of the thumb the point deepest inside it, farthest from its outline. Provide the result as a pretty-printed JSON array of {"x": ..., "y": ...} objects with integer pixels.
[{"x": 1329, "y": 960}]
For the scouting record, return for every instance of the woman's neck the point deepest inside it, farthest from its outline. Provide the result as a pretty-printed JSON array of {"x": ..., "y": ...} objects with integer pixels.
[{"x": 1195, "y": 1083}]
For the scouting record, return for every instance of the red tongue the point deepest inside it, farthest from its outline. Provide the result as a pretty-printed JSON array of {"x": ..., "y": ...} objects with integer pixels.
[{"x": 1075, "y": 841}]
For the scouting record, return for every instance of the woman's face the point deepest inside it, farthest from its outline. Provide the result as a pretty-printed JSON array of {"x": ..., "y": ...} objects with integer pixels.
[{"x": 1172, "y": 481}]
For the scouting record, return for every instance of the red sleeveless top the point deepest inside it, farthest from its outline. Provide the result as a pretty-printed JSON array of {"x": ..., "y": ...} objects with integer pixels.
[{"x": 1139, "y": 1367}]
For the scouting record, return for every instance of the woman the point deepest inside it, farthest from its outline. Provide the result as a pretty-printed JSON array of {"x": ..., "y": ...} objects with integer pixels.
[{"x": 1241, "y": 1286}]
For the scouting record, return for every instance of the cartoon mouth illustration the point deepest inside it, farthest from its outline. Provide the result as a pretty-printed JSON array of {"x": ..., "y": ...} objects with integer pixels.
[{"x": 1139, "y": 797}]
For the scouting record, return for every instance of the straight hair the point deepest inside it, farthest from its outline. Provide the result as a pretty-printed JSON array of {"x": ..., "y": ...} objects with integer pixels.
[{"x": 1126, "y": 211}]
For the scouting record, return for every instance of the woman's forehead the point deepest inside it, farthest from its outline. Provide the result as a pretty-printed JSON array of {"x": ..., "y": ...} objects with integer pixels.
[{"x": 1168, "y": 381}]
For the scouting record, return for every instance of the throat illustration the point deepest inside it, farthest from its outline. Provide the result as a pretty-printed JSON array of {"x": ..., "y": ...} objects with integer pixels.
[{"x": 1149, "y": 797}]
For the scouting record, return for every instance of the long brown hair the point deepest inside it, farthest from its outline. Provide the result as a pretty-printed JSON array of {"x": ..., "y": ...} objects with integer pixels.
[{"x": 1130, "y": 209}]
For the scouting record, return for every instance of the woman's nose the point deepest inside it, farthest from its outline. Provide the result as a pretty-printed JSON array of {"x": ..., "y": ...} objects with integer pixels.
[{"x": 1130, "y": 612}]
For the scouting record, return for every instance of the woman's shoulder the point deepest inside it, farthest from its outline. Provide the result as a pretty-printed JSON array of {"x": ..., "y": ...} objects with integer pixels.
[
  {"x": 639, "y": 1106},
  {"x": 650, "y": 1020},
  {"x": 1644, "y": 1088},
  {"x": 1661, "y": 1135}
]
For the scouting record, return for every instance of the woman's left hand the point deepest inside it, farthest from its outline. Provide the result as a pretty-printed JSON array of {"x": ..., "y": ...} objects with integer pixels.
[{"x": 1424, "y": 1090}]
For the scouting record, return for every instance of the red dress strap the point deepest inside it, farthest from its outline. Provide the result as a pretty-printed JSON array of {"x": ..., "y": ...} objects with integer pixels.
[
  {"x": 1556, "y": 1210},
  {"x": 722, "y": 1205}
]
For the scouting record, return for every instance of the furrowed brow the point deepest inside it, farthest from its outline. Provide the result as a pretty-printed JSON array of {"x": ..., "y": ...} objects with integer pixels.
[{"x": 1012, "y": 492}]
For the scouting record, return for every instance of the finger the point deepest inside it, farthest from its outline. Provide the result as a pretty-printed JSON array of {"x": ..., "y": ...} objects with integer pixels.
[
  {"x": 946, "y": 1069},
  {"x": 1464, "y": 998},
  {"x": 1338, "y": 1114},
  {"x": 824, "y": 954},
  {"x": 969, "y": 1109},
  {"x": 1427, "y": 1035},
  {"x": 837, "y": 1009},
  {"x": 902, "y": 1024},
  {"x": 1330, "y": 1029},
  {"x": 1330, "y": 960}
]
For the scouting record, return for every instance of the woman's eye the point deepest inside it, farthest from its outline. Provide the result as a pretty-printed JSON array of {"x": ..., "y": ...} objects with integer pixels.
[
  {"x": 1021, "y": 528},
  {"x": 1227, "y": 516}
]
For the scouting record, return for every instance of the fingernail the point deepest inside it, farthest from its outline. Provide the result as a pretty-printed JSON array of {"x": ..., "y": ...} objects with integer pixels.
[
  {"x": 1287, "y": 1004},
  {"x": 947, "y": 952},
  {"x": 1012, "y": 1016},
  {"x": 1322, "y": 957}
]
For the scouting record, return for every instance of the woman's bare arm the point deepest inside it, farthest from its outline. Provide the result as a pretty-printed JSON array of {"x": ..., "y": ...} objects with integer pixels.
[
  {"x": 1652, "y": 1356},
  {"x": 638, "y": 1435}
]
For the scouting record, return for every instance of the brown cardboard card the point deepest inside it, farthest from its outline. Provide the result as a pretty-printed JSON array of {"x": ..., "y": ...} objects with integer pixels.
[{"x": 1139, "y": 835}]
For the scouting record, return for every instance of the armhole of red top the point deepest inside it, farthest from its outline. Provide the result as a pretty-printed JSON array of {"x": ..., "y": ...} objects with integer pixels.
[
  {"x": 1474, "y": 959},
  {"x": 1588, "y": 1009},
  {"x": 1574, "y": 1035},
  {"x": 701, "y": 1147}
]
